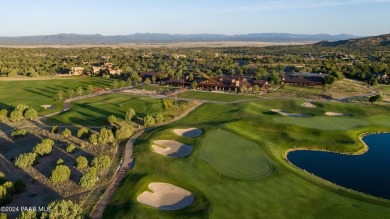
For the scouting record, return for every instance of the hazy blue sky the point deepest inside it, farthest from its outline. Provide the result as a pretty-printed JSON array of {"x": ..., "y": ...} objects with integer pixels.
[{"x": 121, "y": 17}]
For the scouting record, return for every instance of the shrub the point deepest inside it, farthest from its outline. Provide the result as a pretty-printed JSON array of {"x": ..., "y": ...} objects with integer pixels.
[
  {"x": 106, "y": 136},
  {"x": 16, "y": 116},
  {"x": 18, "y": 132},
  {"x": 3, "y": 114},
  {"x": 60, "y": 161},
  {"x": 30, "y": 214},
  {"x": 3, "y": 216},
  {"x": 159, "y": 118},
  {"x": 130, "y": 113},
  {"x": 64, "y": 209},
  {"x": 31, "y": 114},
  {"x": 168, "y": 104},
  {"x": 48, "y": 141},
  {"x": 42, "y": 149},
  {"x": 101, "y": 162},
  {"x": 83, "y": 132},
  {"x": 93, "y": 139},
  {"x": 112, "y": 119},
  {"x": 25, "y": 160},
  {"x": 66, "y": 133},
  {"x": 54, "y": 129},
  {"x": 88, "y": 179},
  {"x": 5, "y": 197},
  {"x": 10, "y": 187},
  {"x": 124, "y": 132},
  {"x": 81, "y": 163},
  {"x": 60, "y": 174},
  {"x": 149, "y": 121},
  {"x": 71, "y": 148},
  {"x": 19, "y": 186}
]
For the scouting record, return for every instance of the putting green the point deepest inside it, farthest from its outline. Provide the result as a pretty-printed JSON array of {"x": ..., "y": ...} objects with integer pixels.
[
  {"x": 234, "y": 156},
  {"x": 323, "y": 122}
]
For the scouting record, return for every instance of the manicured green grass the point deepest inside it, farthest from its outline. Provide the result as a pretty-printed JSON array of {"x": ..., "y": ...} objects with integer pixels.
[
  {"x": 286, "y": 193},
  {"x": 156, "y": 88},
  {"x": 94, "y": 111},
  {"x": 44, "y": 92},
  {"x": 323, "y": 122},
  {"x": 234, "y": 156},
  {"x": 200, "y": 95}
]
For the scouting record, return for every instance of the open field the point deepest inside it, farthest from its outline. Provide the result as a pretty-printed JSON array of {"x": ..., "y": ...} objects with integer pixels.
[
  {"x": 347, "y": 88},
  {"x": 201, "y": 95},
  {"x": 43, "y": 92},
  {"x": 286, "y": 193}
]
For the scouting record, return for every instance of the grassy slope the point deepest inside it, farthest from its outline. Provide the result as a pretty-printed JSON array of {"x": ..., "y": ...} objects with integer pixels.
[
  {"x": 286, "y": 193},
  {"x": 200, "y": 95},
  {"x": 43, "y": 92},
  {"x": 94, "y": 111}
]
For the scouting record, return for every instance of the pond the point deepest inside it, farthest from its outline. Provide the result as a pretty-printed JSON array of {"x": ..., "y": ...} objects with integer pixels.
[{"x": 368, "y": 173}]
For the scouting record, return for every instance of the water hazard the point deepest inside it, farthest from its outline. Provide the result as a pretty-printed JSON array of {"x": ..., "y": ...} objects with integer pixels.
[{"x": 368, "y": 173}]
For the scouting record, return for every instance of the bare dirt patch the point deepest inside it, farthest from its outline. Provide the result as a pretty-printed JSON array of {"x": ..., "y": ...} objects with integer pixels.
[
  {"x": 47, "y": 106},
  {"x": 308, "y": 105},
  {"x": 166, "y": 196},
  {"x": 171, "y": 148},
  {"x": 336, "y": 114},
  {"x": 189, "y": 132},
  {"x": 284, "y": 113}
]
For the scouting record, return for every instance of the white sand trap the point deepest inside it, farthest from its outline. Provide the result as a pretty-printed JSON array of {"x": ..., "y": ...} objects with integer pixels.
[
  {"x": 189, "y": 133},
  {"x": 166, "y": 196},
  {"x": 47, "y": 106},
  {"x": 171, "y": 148},
  {"x": 335, "y": 114},
  {"x": 284, "y": 113},
  {"x": 308, "y": 105}
]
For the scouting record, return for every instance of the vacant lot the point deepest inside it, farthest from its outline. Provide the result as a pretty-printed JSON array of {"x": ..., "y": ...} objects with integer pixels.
[{"x": 286, "y": 193}]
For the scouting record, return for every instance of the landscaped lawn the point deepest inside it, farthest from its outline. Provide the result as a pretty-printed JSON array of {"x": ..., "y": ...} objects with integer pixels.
[
  {"x": 286, "y": 193},
  {"x": 323, "y": 122},
  {"x": 156, "y": 88},
  {"x": 201, "y": 95},
  {"x": 44, "y": 92}
]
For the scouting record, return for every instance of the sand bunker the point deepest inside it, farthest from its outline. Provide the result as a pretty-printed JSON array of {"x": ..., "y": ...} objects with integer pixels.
[
  {"x": 171, "y": 148},
  {"x": 284, "y": 113},
  {"x": 47, "y": 106},
  {"x": 189, "y": 133},
  {"x": 166, "y": 196},
  {"x": 335, "y": 114},
  {"x": 308, "y": 105}
]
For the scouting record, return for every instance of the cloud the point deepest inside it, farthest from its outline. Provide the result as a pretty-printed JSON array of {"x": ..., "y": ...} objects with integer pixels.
[{"x": 298, "y": 4}]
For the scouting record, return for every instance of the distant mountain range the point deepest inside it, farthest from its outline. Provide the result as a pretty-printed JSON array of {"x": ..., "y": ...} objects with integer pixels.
[
  {"x": 69, "y": 39},
  {"x": 382, "y": 40}
]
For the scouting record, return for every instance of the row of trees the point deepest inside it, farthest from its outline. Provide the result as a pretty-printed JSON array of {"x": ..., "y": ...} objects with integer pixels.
[{"x": 20, "y": 112}]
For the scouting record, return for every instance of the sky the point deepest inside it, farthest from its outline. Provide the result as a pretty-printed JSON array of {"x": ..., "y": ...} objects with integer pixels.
[{"x": 123, "y": 17}]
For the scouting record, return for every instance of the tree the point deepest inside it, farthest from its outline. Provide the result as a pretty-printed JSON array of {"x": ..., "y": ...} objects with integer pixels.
[
  {"x": 60, "y": 95},
  {"x": 115, "y": 84},
  {"x": 93, "y": 139},
  {"x": 159, "y": 118},
  {"x": 374, "y": 99},
  {"x": 70, "y": 93},
  {"x": 154, "y": 79},
  {"x": 5, "y": 197},
  {"x": 25, "y": 160},
  {"x": 60, "y": 174},
  {"x": 31, "y": 114},
  {"x": 60, "y": 162},
  {"x": 168, "y": 104},
  {"x": 274, "y": 79},
  {"x": 54, "y": 129},
  {"x": 66, "y": 133},
  {"x": 329, "y": 79},
  {"x": 80, "y": 91},
  {"x": 42, "y": 149},
  {"x": 71, "y": 148},
  {"x": 124, "y": 132},
  {"x": 112, "y": 119},
  {"x": 243, "y": 89},
  {"x": 122, "y": 83},
  {"x": 20, "y": 186},
  {"x": 130, "y": 113},
  {"x": 18, "y": 132},
  {"x": 9, "y": 186},
  {"x": 255, "y": 89},
  {"x": 147, "y": 81},
  {"x": 149, "y": 121},
  {"x": 16, "y": 115},
  {"x": 83, "y": 132},
  {"x": 64, "y": 209},
  {"x": 81, "y": 163},
  {"x": 194, "y": 84},
  {"x": 3, "y": 114},
  {"x": 129, "y": 82},
  {"x": 106, "y": 136},
  {"x": 89, "y": 179},
  {"x": 3, "y": 215},
  {"x": 101, "y": 162}
]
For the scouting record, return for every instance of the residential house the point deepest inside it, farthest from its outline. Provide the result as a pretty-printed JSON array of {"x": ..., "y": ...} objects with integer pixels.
[
  {"x": 263, "y": 84},
  {"x": 303, "y": 80},
  {"x": 225, "y": 83},
  {"x": 77, "y": 71}
]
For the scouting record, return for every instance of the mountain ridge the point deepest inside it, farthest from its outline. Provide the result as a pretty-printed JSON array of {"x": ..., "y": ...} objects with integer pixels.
[
  {"x": 381, "y": 40},
  {"x": 71, "y": 38}
]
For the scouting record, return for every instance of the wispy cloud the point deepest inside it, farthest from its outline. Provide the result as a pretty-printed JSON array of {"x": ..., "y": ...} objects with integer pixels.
[{"x": 298, "y": 4}]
